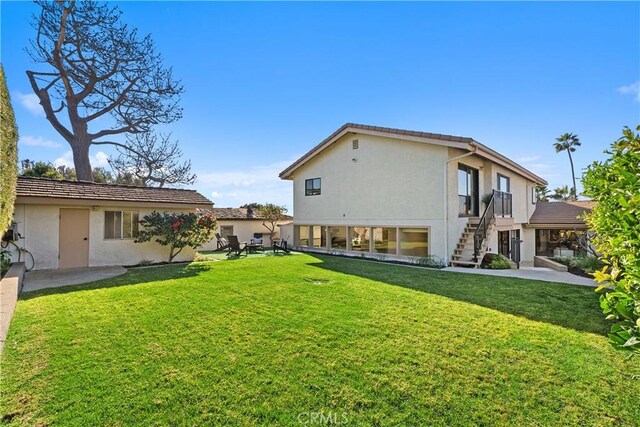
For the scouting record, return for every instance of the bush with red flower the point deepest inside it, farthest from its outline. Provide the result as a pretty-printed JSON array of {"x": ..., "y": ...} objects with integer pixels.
[{"x": 177, "y": 230}]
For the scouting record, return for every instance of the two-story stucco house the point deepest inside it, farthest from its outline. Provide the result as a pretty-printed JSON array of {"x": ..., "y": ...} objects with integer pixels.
[{"x": 394, "y": 193}]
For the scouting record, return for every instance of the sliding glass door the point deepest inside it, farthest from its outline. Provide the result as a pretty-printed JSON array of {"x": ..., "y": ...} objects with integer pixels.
[{"x": 468, "y": 199}]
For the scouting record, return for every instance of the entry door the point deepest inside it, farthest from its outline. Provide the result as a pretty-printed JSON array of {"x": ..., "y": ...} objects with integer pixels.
[
  {"x": 74, "y": 238},
  {"x": 504, "y": 243}
]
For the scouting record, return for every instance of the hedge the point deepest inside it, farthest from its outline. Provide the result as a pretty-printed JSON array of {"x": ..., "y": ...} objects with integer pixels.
[{"x": 8, "y": 156}]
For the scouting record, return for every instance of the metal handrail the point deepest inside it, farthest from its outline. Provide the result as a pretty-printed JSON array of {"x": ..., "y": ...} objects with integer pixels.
[
  {"x": 481, "y": 232},
  {"x": 502, "y": 207}
]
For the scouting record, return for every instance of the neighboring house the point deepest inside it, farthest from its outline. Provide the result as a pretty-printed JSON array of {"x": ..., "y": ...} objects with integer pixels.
[
  {"x": 67, "y": 224},
  {"x": 247, "y": 224},
  {"x": 392, "y": 193},
  {"x": 559, "y": 228}
]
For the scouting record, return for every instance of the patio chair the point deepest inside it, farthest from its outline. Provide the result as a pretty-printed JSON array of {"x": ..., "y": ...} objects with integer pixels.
[
  {"x": 235, "y": 246},
  {"x": 222, "y": 243},
  {"x": 280, "y": 244}
]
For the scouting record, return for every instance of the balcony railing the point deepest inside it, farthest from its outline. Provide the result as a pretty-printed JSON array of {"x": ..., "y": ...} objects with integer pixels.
[{"x": 503, "y": 203}]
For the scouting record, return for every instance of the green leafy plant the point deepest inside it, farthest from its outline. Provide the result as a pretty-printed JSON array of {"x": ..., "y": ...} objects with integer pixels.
[
  {"x": 615, "y": 186},
  {"x": 5, "y": 261},
  {"x": 586, "y": 264},
  {"x": 499, "y": 263},
  {"x": 8, "y": 156},
  {"x": 177, "y": 230}
]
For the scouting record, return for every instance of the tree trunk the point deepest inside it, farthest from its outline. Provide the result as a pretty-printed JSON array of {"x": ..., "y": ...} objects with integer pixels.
[
  {"x": 573, "y": 176},
  {"x": 81, "y": 161}
]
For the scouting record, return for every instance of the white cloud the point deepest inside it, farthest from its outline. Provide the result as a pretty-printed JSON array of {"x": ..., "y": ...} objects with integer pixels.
[
  {"x": 251, "y": 184},
  {"x": 31, "y": 102},
  {"x": 37, "y": 141},
  {"x": 100, "y": 159},
  {"x": 632, "y": 89}
]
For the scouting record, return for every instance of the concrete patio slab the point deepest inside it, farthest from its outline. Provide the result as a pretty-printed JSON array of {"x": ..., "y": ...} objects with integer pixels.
[
  {"x": 532, "y": 273},
  {"x": 42, "y": 279}
]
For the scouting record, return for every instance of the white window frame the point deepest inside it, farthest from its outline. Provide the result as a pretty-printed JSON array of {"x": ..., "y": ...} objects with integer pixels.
[{"x": 119, "y": 234}]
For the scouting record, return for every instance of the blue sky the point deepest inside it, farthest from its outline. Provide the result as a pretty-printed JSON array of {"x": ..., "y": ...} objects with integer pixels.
[{"x": 265, "y": 82}]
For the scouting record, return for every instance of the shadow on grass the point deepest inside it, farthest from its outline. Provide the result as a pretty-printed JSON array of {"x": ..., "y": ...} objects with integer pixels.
[
  {"x": 133, "y": 276},
  {"x": 570, "y": 306}
]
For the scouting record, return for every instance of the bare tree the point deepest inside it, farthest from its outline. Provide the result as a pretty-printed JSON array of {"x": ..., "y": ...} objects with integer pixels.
[
  {"x": 99, "y": 67},
  {"x": 154, "y": 160}
]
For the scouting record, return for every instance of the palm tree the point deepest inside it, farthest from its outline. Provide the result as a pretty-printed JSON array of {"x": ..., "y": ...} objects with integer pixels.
[
  {"x": 568, "y": 142},
  {"x": 562, "y": 194}
]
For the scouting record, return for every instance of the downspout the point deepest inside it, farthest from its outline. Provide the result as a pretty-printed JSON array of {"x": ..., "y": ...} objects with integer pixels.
[{"x": 473, "y": 151}]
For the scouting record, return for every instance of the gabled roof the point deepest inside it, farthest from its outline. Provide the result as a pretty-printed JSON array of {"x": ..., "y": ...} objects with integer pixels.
[
  {"x": 566, "y": 214},
  {"x": 45, "y": 188},
  {"x": 240, "y": 214},
  {"x": 460, "y": 142}
]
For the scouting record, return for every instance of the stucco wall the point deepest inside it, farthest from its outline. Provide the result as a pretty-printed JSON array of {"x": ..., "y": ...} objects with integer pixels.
[
  {"x": 39, "y": 227},
  {"x": 389, "y": 180},
  {"x": 244, "y": 229}
]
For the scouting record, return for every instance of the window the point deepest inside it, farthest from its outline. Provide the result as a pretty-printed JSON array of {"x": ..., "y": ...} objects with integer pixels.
[
  {"x": 303, "y": 235},
  {"x": 121, "y": 224},
  {"x": 312, "y": 187},
  {"x": 467, "y": 191},
  {"x": 319, "y": 236},
  {"x": 360, "y": 237},
  {"x": 384, "y": 240},
  {"x": 355, "y": 144},
  {"x": 226, "y": 231},
  {"x": 504, "y": 183},
  {"x": 338, "y": 237},
  {"x": 414, "y": 241},
  {"x": 534, "y": 197}
]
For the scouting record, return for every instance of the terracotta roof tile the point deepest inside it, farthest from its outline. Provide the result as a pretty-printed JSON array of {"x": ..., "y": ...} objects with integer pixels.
[{"x": 83, "y": 190}]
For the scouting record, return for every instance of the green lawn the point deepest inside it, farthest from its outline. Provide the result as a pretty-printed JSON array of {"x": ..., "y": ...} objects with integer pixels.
[{"x": 276, "y": 339}]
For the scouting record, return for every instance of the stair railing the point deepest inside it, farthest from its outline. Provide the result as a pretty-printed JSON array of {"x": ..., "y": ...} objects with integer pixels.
[{"x": 483, "y": 226}]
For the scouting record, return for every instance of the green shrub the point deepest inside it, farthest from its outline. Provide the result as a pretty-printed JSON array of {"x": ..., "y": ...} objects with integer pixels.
[
  {"x": 5, "y": 262},
  {"x": 499, "y": 263},
  {"x": 431, "y": 261},
  {"x": 8, "y": 156},
  {"x": 586, "y": 264},
  {"x": 615, "y": 187}
]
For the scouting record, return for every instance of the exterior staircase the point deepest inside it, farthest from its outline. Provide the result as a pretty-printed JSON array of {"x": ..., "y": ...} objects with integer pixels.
[
  {"x": 463, "y": 253},
  {"x": 473, "y": 243}
]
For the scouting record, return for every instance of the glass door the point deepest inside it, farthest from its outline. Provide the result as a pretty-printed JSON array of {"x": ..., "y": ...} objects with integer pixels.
[{"x": 468, "y": 199}]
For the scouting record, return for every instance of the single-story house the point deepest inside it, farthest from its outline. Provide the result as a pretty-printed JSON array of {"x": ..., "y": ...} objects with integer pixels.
[
  {"x": 69, "y": 224},
  {"x": 559, "y": 227},
  {"x": 246, "y": 223},
  {"x": 392, "y": 193}
]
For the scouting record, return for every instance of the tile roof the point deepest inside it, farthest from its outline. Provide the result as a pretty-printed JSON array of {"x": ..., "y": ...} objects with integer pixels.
[
  {"x": 240, "y": 213},
  {"x": 84, "y": 190},
  {"x": 560, "y": 213}
]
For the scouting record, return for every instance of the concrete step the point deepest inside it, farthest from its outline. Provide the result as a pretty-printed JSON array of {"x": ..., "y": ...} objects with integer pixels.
[{"x": 464, "y": 263}]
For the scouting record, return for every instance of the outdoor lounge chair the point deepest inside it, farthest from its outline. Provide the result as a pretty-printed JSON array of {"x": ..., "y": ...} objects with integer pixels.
[
  {"x": 280, "y": 244},
  {"x": 235, "y": 246},
  {"x": 222, "y": 243}
]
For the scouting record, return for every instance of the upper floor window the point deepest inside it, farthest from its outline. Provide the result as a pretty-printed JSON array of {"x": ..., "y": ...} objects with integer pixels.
[
  {"x": 504, "y": 183},
  {"x": 312, "y": 187},
  {"x": 121, "y": 224}
]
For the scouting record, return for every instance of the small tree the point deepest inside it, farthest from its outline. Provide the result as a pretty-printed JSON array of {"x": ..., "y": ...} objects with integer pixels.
[
  {"x": 270, "y": 215},
  {"x": 615, "y": 187},
  {"x": 563, "y": 194},
  {"x": 8, "y": 156},
  {"x": 177, "y": 230}
]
